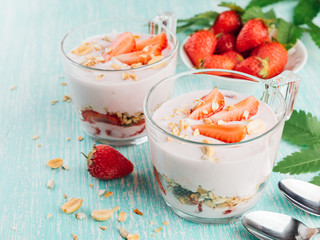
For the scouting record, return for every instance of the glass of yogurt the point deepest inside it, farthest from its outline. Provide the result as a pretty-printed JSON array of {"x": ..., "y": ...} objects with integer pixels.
[
  {"x": 214, "y": 140},
  {"x": 110, "y": 65}
]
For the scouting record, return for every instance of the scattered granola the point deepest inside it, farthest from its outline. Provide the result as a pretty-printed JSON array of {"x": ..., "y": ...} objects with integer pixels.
[
  {"x": 196, "y": 132},
  {"x": 207, "y": 121},
  {"x": 39, "y": 145},
  {"x": 108, "y": 194},
  {"x": 174, "y": 130},
  {"x": 65, "y": 196},
  {"x": 49, "y": 215},
  {"x": 80, "y": 138},
  {"x": 74, "y": 236},
  {"x": 116, "y": 208},
  {"x": 99, "y": 77},
  {"x": 214, "y": 105},
  {"x": 50, "y": 183},
  {"x": 55, "y": 163},
  {"x": 68, "y": 139},
  {"x": 132, "y": 236},
  {"x": 102, "y": 214},
  {"x": 64, "y": 84},
  {"x": 35, "y": 137},
  {"x": 169, "y": 139},
  {"x": 156, "y": 59},
  {"x": 256, "y": 126},
  {"x": 167, "y": 117},
  {"x": 83, "y": 49},
  {"x": 208, "y": 151},
  {"x": 80, "y": 216},
  {"x": 116, "y": 67},
  {"x": 136, "y": 211},
  {"x": 135, "y": 65},
  {"x": 91, "y": 185},
  {"x": 53, "y": 102},
  {"x": 103, "y": 228},
  {"x": 158, "y": 229},
  {"x": 66, "y": 98},
  {"x": 183, "y": 125},
  {"x": 65, "y": 167},
  {"x": 123, "y": 232},
  {"x": 122, "y": 216},
  {"x": 13, "y": 87},
  {"x": 230, "y": 108},
  {"x": 72, "y": 205},
  {"x": 165, "y": 223},
  {"x": 126, "y": 76}
]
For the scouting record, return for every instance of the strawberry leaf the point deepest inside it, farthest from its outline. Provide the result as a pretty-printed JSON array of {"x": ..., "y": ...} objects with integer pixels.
[
  {"x": 316, "y": 180},
  {"x": 262, "y": 3},
  {"x": 314, "y": 33},
  {"x": 305, "y": 161},
  {"x": 232, "y": 6},
  {"x": 288, "y": 33},
  {"x": 199, "y": 21},
  {"x": 305, "y": 11},
  {"x": 256, "y": 12},
  {"x": 302, "y": 129}
]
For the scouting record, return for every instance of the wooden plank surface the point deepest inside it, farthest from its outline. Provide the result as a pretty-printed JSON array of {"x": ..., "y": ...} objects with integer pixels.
[{"x": 30, "y": 34}]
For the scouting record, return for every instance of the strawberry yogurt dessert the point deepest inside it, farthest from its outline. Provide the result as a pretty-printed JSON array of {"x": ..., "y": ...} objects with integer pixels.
[
  {"x": 109, "y": 74},
  {"x": 213, "y": 149}
]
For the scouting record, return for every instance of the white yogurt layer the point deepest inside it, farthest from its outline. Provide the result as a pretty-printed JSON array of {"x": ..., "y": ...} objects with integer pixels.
[{"x": 235, "y": 171}]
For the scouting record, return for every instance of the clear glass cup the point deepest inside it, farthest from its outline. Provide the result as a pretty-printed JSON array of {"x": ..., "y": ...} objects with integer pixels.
[
  {"x": 208, "y": 191},
  {"x": 110, "y": 109}
]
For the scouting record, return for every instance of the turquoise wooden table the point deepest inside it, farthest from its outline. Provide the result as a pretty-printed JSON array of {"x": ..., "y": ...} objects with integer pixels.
[{"x": 30, "y": 34}]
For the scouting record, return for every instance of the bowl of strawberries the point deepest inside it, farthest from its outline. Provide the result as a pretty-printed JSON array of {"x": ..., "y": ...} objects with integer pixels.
[{"x": 250, "y": 47}]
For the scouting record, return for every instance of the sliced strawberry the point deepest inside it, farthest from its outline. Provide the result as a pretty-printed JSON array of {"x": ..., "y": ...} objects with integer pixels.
[
  {"x": 139, "y": 57},
  {"x": 124, "y": 43},
  {"x": 228, "y": 133},
  {"x": 91, "y": 116},
  {"x": 212, "y": 102},
  {"x": 238, "y": 111},
  {"x": 160, "y": 40},
  {"x": 156, "y": 174}
]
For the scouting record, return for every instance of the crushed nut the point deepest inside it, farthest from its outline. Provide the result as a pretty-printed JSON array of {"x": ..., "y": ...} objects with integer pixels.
[
  {"x": 208, "y": 151},
  {"x": 136, "y": 211},
  {"x": 214, "y": 105},
  {"x": 123, "y": 232},
  {"x": 122, "y": 216},
  {"x": 83, "y": 49},
  {"x": 101, "y": 191},
  {"x": 198, "y": 102},
  {"x": 205, "y": 111},
  {"x": 99, "y": 77},
  {"x": 50, "y": 183},
  {"x": 74, "y": 237},
  {"x": 64, "y": 84},
  {"x": 246, "y": 114},
  {"x": 256, "y": 126},
  {"x": 80, "y": 138},
  {"x": 116, "y": 67},
  {"x": 165, "y": 223},
  {"x": 126, "y": 76},
  {"x": 103, "y": 228},
  {"x": 108, "y": 194},
  {"x": 183, "y": 125},
  {"x": 135, "y": 65},
  {"x": 68, "y": 139},
  {"x": 158, "y": 229},
  {"x": 230, "y": 108},
  {"x": 91, "y": 185},
  {"x": 107, "y": 50},
  {"x": 39, "y": 145},
  {"x": 13, "y": 87},
  {"x": 116, "y": 208},
  {"x": 66, "y": 98},
  {"x": 35, "y": 137},
  {"x": 80, "y": 216},
  {"x": 156, "y": 59},
  {"x": 65, "y": 196},
  {"x": 72, "y": 205},
  {"x": 221, "y": 122},
  {"x": 175, "y": 131},
  {"x": 49, "y": 215},
  {"x": 102, "y": 214},
  {"x": 167, "y": 117},
  {"x": 132, "y": 236},
  {"x": 55, "y": 163},
  {"x": 53, "y": 102},
  {"x": 65, "y": 167},
  {"x": 196, "y": 132},
  {"x": 106, "y": 38}
]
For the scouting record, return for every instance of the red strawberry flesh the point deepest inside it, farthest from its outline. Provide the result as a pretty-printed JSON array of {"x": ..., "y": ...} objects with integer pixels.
[
  {"x": 159, "y": 40},
  {"x": 140, "y": 56}
]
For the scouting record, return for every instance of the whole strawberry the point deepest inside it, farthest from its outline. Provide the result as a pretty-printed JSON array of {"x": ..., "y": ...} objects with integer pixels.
[
  {"x": 253, "y": 33},
  {"x": 234, "y": 56},
  {"x": 254, "y": 66},
  {"x": 225, "y": 42},
  {"x": 200, "y": 45},
  {"x": 105, "y": 162},
  {"x": 276, "y": 54},
  {"x": 228, "y": 22},
  {"x": 219, "y": 62}
]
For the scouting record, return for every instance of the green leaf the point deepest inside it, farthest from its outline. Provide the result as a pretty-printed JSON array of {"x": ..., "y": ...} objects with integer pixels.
[
  {"x": 262, "y": 3},
  {"x": 232, "y": 6},
  {"x": 314, "y": 33},
  {"x": 308, "y": 160},
  {"x": 305, "y": 11},
  {"x": 256, "y": 12},
  {"x": 302, "y": 129},
  {"x": 316, "y": 180},
  {"x": 270, "y": 14},
  {"x": 288, "y": 33},
  {"x": 198, "y": 21}
]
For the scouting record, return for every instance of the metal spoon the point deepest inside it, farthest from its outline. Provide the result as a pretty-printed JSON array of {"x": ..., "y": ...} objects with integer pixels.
[
  {"x": 304, "y": 195},
  {"x": 270, "y": 226}
]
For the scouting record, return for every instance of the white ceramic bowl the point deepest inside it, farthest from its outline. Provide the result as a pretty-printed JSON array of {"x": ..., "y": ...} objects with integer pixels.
[{"x": 297, "y": 57}]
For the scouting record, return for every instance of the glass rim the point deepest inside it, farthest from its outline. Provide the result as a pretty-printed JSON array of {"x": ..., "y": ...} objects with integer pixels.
[
  {"x": 172, "y": 52},
  {"x": 258, "y": 81}
]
